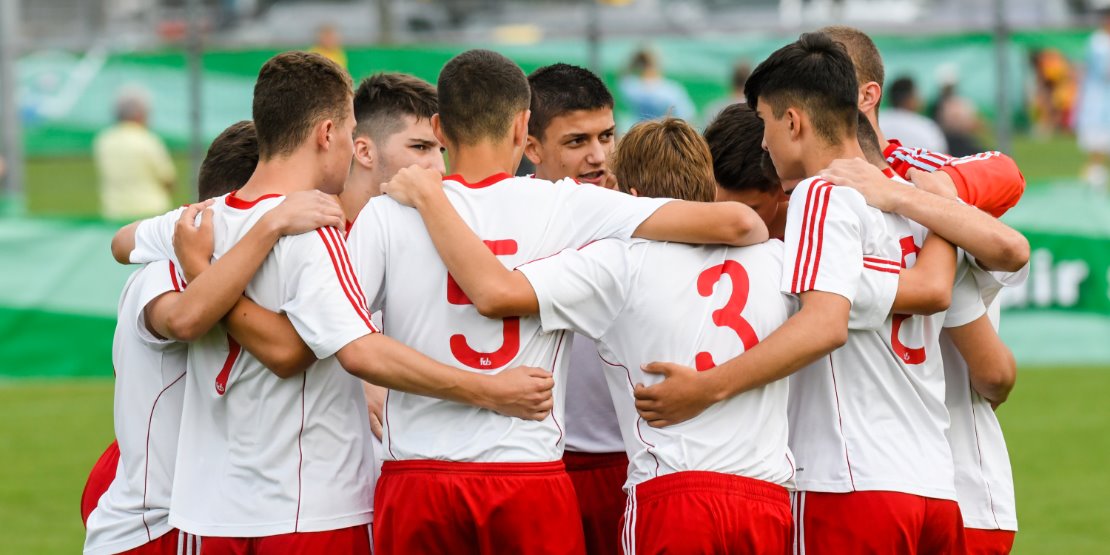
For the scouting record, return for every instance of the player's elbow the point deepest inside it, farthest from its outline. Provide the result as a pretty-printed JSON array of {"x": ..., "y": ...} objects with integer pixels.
[
  {"x": 288, "y": 362},
  {"x": 365, "y": 359},
  {"x": 1013, "y": 251},
  {"x": 496, "y": 301},
  {"x": 997, "y": 383},
  {"x": 834, "y": 338},
  {"x": 935, "y": 297},
  {"x": 185, "y": 326},
  {"x": 120, "y": 251},
  {"x": 745, "y": 227}
]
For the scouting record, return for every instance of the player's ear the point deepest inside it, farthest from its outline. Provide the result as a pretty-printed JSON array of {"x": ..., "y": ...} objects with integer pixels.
[
  {"x": 520, "y": 128},
  {"x": 532, "y": 150},
  {"x": 437, "y": 130},
  {"x": 793, "y": 119},
  {"x": 364, "y": 152},
  {"x": 632, "y": 191},
  {"x": 870, "y": 94},
  {"x": 323, "y": 132}
]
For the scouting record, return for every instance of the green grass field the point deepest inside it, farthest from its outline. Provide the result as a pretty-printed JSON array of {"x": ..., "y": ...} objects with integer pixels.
[{"x": 1055, "y": 424}]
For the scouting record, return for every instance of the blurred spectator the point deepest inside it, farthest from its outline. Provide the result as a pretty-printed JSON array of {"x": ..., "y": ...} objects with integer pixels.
[
  {"x": 903, "y": 121},
  {"x": 740, "y": 73},
  {"x": 330, "y": 45},
  {"x": 961, "y": 125},
  {"x": 136, "y": 172},
  {"x": 649, "y": 94},
  {"x": 1054, "y": 92},
  {"x": 1093, "y": 116}
]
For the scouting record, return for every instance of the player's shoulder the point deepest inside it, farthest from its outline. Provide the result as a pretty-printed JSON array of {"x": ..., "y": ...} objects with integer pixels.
[{"x": 815, "y": 193}]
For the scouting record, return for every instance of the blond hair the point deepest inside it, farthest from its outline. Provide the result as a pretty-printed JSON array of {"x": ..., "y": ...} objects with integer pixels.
[{"x": 665, "y": 159}]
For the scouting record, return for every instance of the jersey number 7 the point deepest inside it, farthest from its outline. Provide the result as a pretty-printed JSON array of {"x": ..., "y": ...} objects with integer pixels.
[{"x": 510, "y": 344}]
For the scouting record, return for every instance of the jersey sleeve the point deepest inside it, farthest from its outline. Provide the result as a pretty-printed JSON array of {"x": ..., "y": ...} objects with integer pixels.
[
  {"x": 990, "y": 181},
  {"x": 154, "y": 238},
  {"x": 967, "y": 303},
  {"x": 581, "y": 290},
  {"x": 153, "y": 281},
  {"x": 598, "y": 213},
  {"x": 366, "y": 244},
  {"x": 325, "y": 301},
  {"x": 874, "y": 300},
  {"x": 823, "y": 240}
]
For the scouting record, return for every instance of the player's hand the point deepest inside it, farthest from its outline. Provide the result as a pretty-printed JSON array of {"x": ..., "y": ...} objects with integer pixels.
[
  {"x": 939, "y": 183},
  {"x": 413, "y": 184},
  {"x": 305, "y": 211},
  {"x": 610, "y": 181},
  {"x": 522, "y": 392},
  {"x": 861, "y": 175},
  {"x": 681, "y": 395},
  {"x": 194, "y": 243},
  {"x": 375, "y": 403}
]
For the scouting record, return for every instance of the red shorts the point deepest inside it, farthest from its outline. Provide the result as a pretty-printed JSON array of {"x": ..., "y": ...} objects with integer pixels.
[
  {"x": 876, "y": 522},
  {"x": 100, "y": 477},
  {"x": 598, "y": 480},
  {"x": 345, "y": 541},
  {"x": 988, "y": 542},
  {"x": 167, "y": 544},
  {"x": 696, "y": 512},
  {"x": 482, "y": 508}
]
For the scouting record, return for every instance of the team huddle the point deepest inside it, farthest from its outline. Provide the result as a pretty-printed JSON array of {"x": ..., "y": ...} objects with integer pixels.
[{"x": 778, "y": 336}]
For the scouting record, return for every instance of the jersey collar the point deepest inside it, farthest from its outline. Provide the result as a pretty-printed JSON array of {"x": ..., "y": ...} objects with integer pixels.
[{"x": 495, "y": 178}]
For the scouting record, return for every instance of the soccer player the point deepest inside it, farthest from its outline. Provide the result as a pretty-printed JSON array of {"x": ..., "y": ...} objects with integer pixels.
[
  {"x": 459, "y": 479},
  {"x": 156, "y": 315},
  {"x": 707, "y": 486},
  {"x": 269, "y": 464},
  {"x": 393, "y": 131},
  {"x": 992, "y": 182},
  {"x": 571, "y": 133}
]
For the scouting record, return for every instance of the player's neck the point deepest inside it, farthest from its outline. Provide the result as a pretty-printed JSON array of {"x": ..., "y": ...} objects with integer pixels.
[
  {"x": 873, "y": 117},
  {"x": 362, "y": 185},
  {"x": 280, "y": 176},
  {"x": 477, "y": 162},
  {"x": 822, "y": 155}
]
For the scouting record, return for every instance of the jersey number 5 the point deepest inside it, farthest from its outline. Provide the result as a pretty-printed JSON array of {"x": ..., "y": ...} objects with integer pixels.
[
  {"x": 727, "y": 316},
  {"x": 510, "y": 343}
]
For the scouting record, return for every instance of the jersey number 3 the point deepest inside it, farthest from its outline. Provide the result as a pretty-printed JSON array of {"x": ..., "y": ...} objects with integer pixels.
[
  {"x": 909, "y": 355},
  {"x": 729, "y": 315},
  {"x": 510, "y": 343}
]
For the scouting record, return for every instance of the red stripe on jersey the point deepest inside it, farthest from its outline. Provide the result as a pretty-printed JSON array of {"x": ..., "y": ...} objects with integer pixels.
[
  {"x": 233, "y": 350},
  {"x": 495, "y": 178},
  {"x": 802, "y": 238},
  {"x": 173, "y": 277},
  {"x": 342, "y": 281},
  {"x": 348, "y": 268},
  {"x": 882, "y": 269},
  {"x": 233, "y": 201},
  {"x": 889, "y": 172},
  {"x": 827, "y": 190},
  {"x": 881, "y": 261},
  {"x": 146, "y": 456}
]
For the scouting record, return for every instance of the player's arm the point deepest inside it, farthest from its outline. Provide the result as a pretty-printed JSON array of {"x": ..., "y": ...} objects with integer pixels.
[
  {"x": 149, "y": 240},
  {"x": 521, "y": 392},
  {"x": 707, "y": 223},
  {"x": 819, "y": 328},
  {"x": 995, "y": 244},
  {"x": 990, "y": 181},
  {"x": 375, "y": 405},
  {"x": 926, "y": 288},
  {"x": 269, "y": 337},
  {"x": 990, "y": 362},
  {"x": 123, "y": 242}
]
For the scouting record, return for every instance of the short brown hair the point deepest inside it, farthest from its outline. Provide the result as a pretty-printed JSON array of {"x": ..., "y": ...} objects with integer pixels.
[
  {"x": 735, "y": 140},
  {"x": 665, "y": 159},
  {"x": 865, "y": 55},
  {"x": 294, "y": 92},
  {"x": 560, "y": 89},
  {"x": 230, "y": 161},
  {"x": 383, "y": 99},
  {"x": 480, "y": 92}
]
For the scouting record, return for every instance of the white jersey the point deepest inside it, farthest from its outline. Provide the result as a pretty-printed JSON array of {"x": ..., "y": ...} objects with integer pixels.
[
  {"x": 871, "y": 415},
  {"x": 149, "y": 389},
  {"x": 521, "y": 219},
  {"x": 984, "y": 481},
  {"x": 692, "y": 305},
  {"x": 592, "y": 425},
  {"x": 260, "y": 455}
]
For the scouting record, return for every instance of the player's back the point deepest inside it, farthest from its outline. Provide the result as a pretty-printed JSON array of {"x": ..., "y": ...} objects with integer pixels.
[
  {"x": 701, "y": 306},
  {"x": 149, "y": 389},
  {"x": 521, "y": 219},
  {"x": 261, "y": 455}
]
